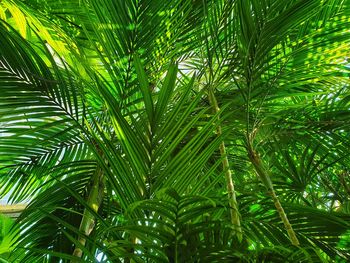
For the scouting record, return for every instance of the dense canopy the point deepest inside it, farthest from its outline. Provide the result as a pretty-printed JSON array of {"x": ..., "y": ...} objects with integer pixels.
[{"x": 175, "y": 131}]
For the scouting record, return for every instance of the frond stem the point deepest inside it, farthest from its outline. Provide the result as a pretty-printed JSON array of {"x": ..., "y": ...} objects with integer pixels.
[
  {"x": 234, "y": 213},
  {"x": 87, "y": 223},
  {"x": 266, "y": 180}
]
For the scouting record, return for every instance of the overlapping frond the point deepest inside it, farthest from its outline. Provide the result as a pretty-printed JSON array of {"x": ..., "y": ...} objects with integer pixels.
[{"x": 116, "y": 98}]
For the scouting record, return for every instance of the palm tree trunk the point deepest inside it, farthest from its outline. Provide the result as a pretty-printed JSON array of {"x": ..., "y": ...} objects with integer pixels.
[
  {"x": 234, "y": 214},
  {"x": 94, "y": 201},
  {"x": 265, "y": 178}
]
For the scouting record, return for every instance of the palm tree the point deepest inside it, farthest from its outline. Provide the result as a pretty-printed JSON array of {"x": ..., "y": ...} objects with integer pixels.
[{"x": 176, "y": 131}]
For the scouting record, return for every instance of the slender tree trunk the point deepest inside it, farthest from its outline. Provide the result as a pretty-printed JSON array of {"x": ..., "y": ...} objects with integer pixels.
[
  {"x": 265, "y": 178},
  {"x": 88, "y": 222},
  {"x": 234, "y": 213}
]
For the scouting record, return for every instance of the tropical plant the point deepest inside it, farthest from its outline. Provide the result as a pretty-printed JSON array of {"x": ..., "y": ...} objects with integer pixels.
[
  {"x": 176, "y": 131},
  {"x": 5, "y": 237}
]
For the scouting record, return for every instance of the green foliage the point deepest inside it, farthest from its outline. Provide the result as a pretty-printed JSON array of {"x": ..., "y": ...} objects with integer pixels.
[
  {"x": 120, "y": 88},
  {"x": 6, "y": 237}
]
